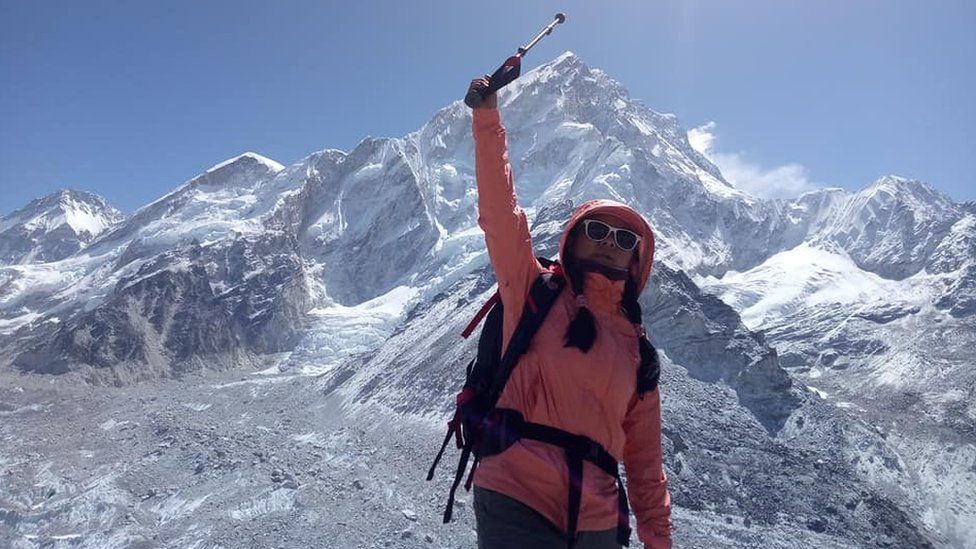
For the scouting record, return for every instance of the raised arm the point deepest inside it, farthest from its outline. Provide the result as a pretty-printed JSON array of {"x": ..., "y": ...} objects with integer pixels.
[
  {"x": 647, "y": 485},
  {"x": 499, "y": 215}
]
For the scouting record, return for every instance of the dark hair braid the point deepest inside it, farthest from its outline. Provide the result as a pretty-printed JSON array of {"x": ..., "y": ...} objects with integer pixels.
[
  {"x": 581, "y": 332},
  {"x": 650, "y": 368}
]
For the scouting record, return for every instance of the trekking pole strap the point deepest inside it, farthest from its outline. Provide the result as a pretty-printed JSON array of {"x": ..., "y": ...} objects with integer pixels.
[
  {"x": 574, "y": 463},
  {"x": 440, "y": 453},
  {"x": 623, "y": 514},
  {"x": 458, "y": 477}
]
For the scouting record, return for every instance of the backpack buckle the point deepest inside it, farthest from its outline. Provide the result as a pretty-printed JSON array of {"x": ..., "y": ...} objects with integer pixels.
[
  {"x": 464, "y": 396},
  {"x": 499, "y": 430},
  {"x": 583, "y": 448}
]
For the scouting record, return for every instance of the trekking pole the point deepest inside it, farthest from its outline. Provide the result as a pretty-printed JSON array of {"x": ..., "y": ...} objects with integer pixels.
[{"x": 510, "y": 69}]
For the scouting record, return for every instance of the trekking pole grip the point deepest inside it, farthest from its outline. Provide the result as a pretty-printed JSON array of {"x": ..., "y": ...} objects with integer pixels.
[{"x": 502, "y": 76}]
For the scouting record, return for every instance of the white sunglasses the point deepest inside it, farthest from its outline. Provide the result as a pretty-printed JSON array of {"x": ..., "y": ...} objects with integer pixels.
[{"x": 599, "y": 231}]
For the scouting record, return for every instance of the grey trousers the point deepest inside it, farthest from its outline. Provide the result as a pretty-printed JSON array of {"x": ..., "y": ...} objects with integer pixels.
[{"x": 506, "y": 523}]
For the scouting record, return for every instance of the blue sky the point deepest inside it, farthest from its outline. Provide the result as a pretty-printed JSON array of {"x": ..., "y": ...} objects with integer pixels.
[{"x": 129, "y": 99}]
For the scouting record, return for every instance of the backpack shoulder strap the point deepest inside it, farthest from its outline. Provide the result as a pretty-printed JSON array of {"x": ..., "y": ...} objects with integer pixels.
[
  {"x": 542, "y": 295},
  {"x": 495, "y": 298}
]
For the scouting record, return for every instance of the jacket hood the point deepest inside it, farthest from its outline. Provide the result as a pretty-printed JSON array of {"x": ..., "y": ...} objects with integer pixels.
[{"x": 640, "y": 270}]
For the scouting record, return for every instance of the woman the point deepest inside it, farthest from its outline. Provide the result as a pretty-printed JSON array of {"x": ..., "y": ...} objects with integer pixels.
[{"x": 579, "y": 374}]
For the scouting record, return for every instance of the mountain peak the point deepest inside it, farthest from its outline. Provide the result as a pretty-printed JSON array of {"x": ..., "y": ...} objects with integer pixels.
[
  {"x": 893, "y": 182},
  {"x": 248, "y": 158},
  {"x": 63, "y": 201},
  {"x": 68, "y": 196},
  {"x": 562, "y": 70},
  {"x": 907, "y": 189},
  {"x": 566, "y": 59},
  {"x": 54, "y": 226}
]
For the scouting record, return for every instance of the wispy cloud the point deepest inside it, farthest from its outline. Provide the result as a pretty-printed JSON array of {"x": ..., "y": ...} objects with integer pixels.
[
  {"x": 786, "y": 181},
  {"x": 702, "y": 137}
]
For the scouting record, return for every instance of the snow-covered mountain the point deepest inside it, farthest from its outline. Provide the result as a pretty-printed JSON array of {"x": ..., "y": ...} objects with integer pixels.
[
  {"x": 896, "y": 351},
  {"x": 193, "y": 280},
  {"x": 789, "y": 328},
  {"x": 54, "y": 227},
  {"x": 893, "y": 226}
]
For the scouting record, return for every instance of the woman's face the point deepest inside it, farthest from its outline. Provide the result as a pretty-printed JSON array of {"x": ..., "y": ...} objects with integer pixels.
[{"x": 605, "y": 252}]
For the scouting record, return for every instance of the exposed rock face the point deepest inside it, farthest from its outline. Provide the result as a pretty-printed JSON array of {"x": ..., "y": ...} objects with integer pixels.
[
  {"x": 703, "y": 333},
  {"x": 194, "y": 307}
]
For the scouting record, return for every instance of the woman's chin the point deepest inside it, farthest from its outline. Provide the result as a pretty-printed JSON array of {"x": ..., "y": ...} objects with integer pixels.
[{"x": 606, "y": 261}]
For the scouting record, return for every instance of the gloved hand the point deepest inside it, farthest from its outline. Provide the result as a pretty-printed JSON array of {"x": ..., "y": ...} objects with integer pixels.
[{"x": 490, "y": 102}]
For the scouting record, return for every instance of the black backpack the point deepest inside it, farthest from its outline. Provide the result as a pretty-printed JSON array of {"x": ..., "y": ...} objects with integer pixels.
[{"x": 480, "y": 428}]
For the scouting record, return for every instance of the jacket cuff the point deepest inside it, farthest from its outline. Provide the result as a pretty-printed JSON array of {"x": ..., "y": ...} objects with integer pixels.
[
  {"x": 656, "y": 535},
  {"x": 657, "y": 542}
]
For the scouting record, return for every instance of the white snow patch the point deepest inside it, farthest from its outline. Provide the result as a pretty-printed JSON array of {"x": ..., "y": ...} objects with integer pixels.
[
  {"x": 277, "y": 500},
  {"x": 176, "y": 507},
  {"x": 110, "y": 424},
  {"x": 29, "y": 408},
  {"x": 822, "y": 394},
  {"x": 801, "y": 277},
  {"x": 84, "y": 220},
  {"x": 313, "y": 439},
  {"x": 256, "y": 381}
]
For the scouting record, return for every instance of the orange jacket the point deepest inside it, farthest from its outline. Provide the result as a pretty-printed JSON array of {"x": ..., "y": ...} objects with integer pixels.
[{"x": 592, "y": 394}]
